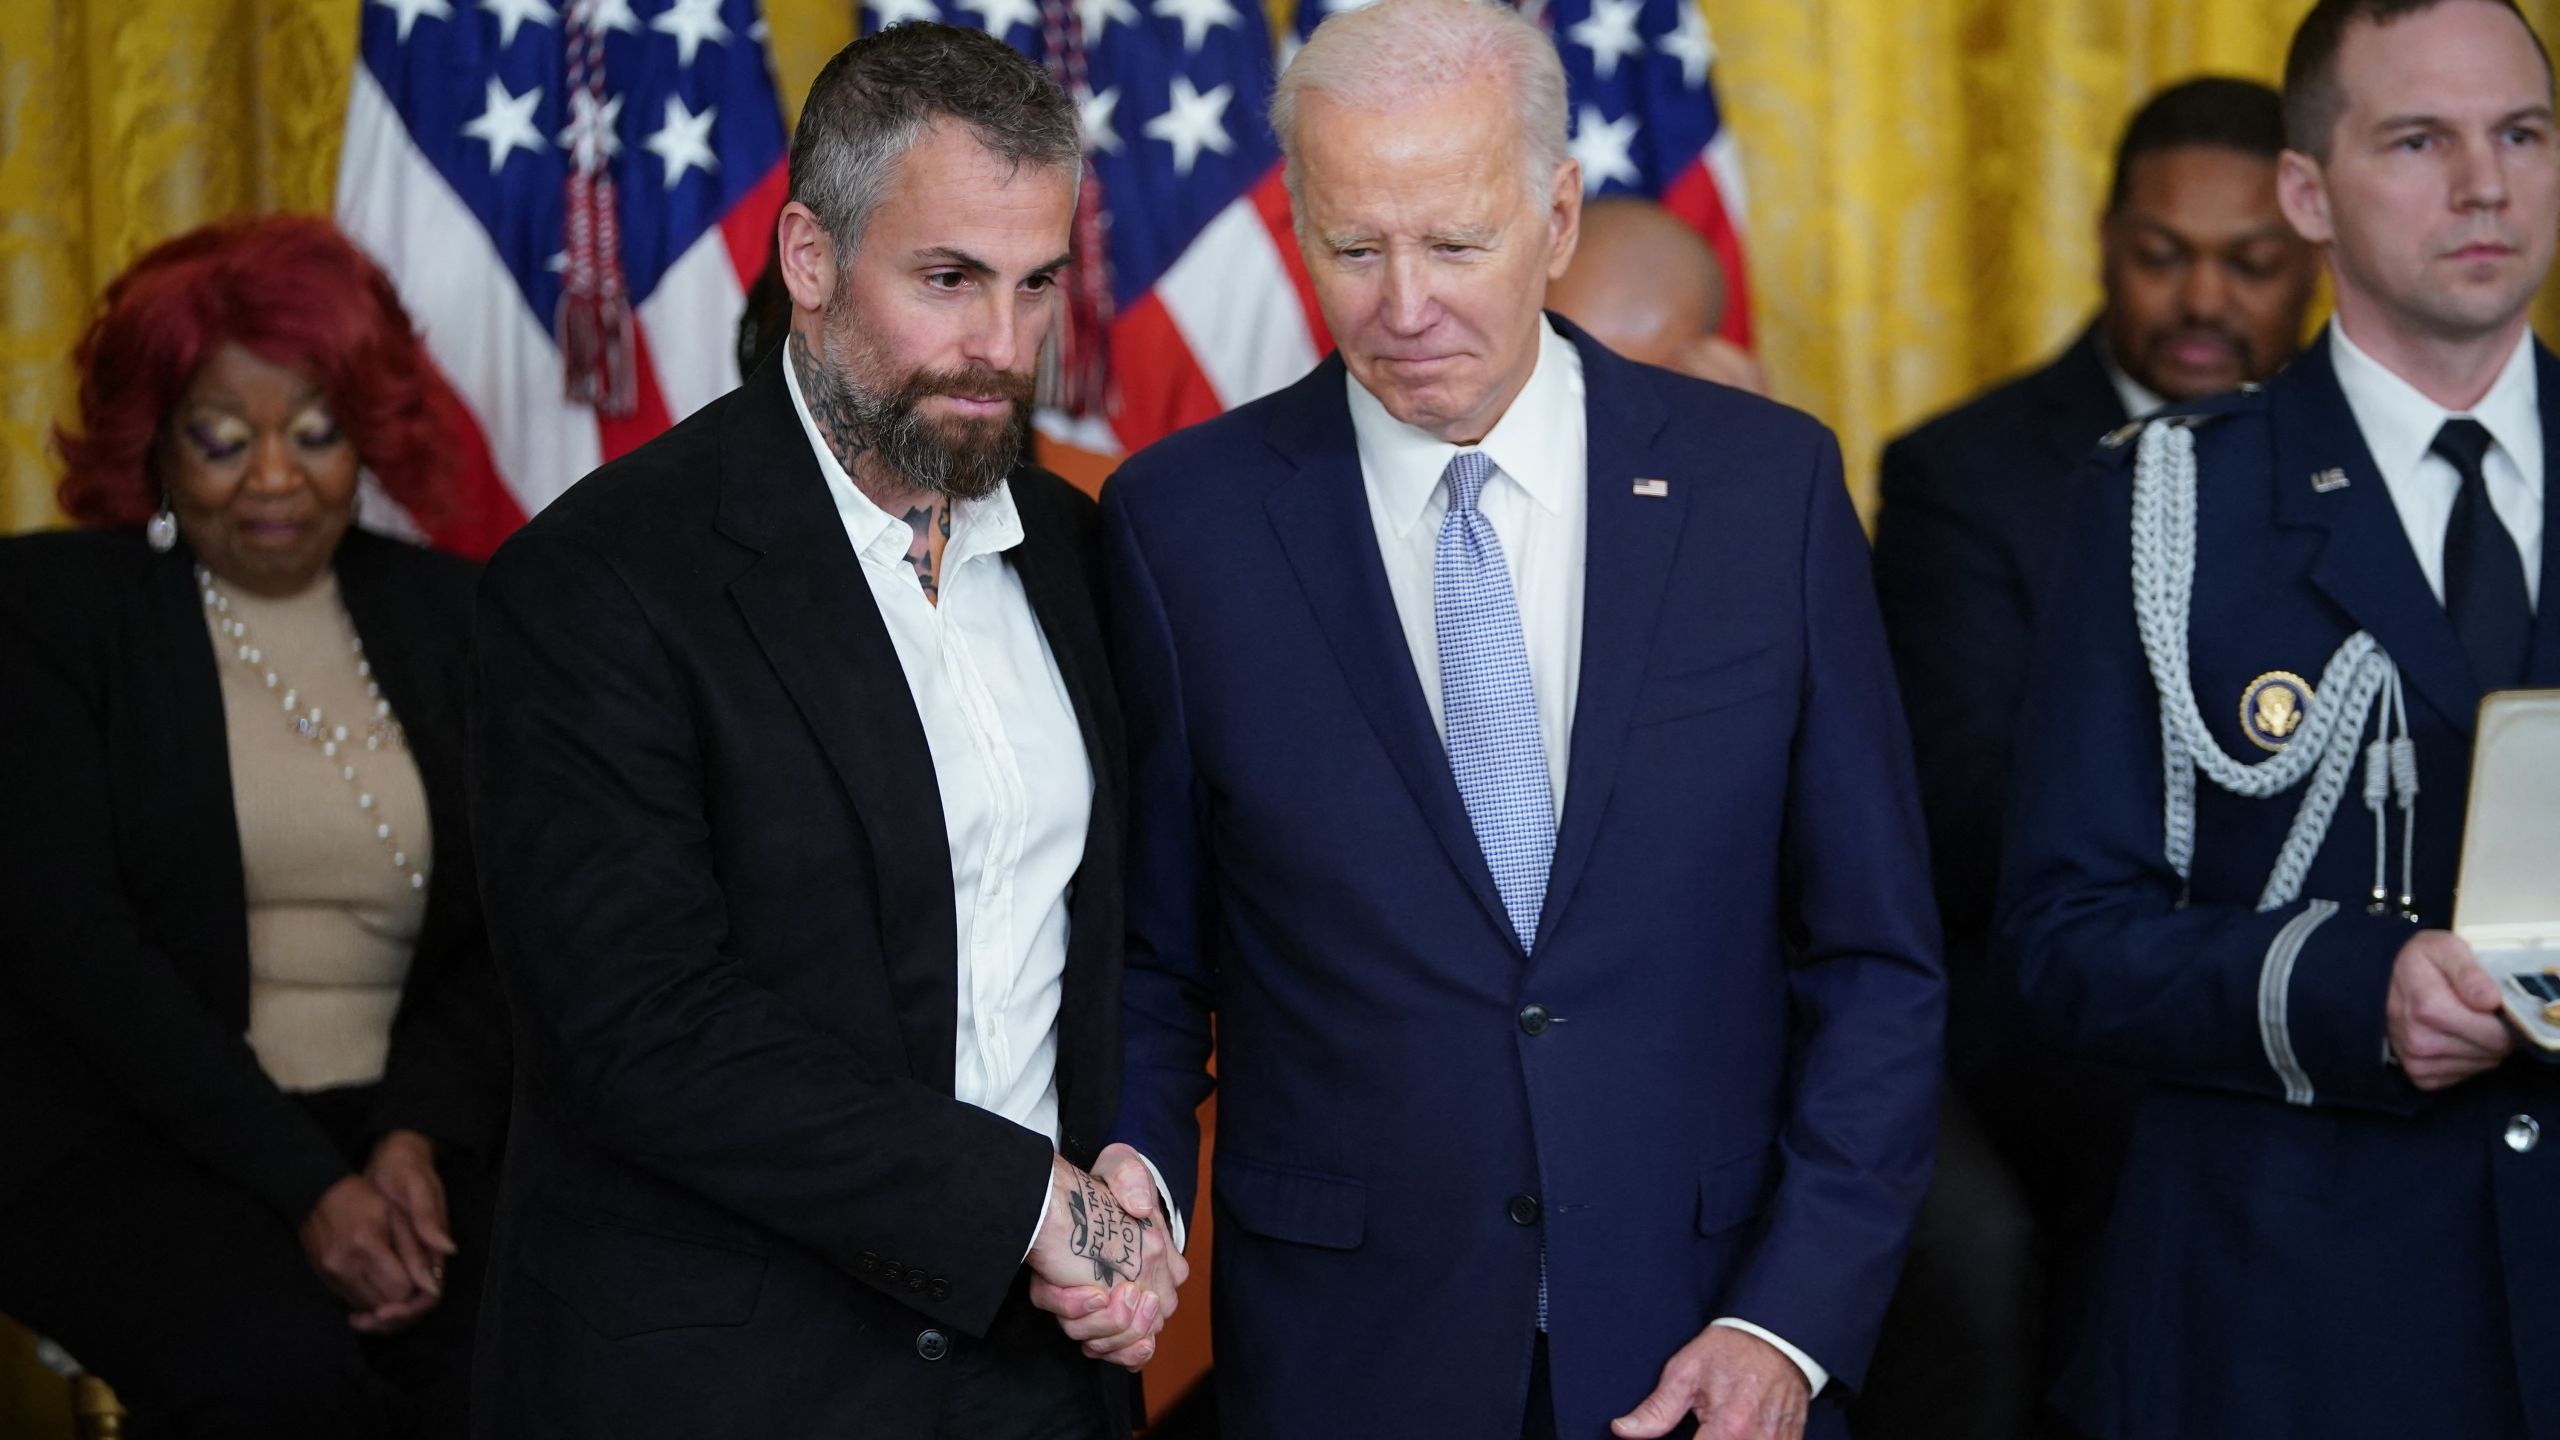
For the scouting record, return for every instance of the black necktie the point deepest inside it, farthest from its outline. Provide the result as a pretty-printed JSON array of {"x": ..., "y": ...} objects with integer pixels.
[{"x": 2483, "y": 577}]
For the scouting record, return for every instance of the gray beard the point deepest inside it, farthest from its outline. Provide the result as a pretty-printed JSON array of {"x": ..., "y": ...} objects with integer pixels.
[{"x": 893, "y": 430}]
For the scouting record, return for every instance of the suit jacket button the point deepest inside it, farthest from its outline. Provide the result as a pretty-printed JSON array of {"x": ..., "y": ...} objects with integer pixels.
[
  {"x": 931, "y": 1346},
  {"x": 894, "y": 1273},
  {"x": 940, "y": 1289},
  {"x": 1534, "y": 1019},
  {"x": 2523, "y": 1133},
  {"x": 870, "y": 1262},
  {"x": 1524, "y": 1209}
]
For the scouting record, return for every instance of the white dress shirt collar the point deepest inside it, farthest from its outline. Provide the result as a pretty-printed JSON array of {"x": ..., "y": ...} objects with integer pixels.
[
  {"x": 2400, "y": 423},
  {"x": 1531, "y": 443},
  {"x": 2137, "y": 398},
  {"x": 978, "y": 527}
]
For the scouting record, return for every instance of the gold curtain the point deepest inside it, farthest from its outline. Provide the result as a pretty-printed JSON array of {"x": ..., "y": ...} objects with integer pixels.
[{"x": 1924, "y": 175}]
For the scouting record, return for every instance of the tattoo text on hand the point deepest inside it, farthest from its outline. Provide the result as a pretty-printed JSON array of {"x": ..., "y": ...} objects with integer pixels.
[{"x": 1102, "y": 1233}]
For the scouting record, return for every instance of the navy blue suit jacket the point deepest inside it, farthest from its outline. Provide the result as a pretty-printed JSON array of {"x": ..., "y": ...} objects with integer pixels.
[
  {"x": 1723, "y": 1103},
  {"x": 2372, "y": 1263}
]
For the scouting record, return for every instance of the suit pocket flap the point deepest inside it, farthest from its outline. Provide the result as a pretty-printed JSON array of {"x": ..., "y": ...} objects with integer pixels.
[
  {"x": 627, "y": 1282},
  {"x": 1727, "y": 679},
  {"x": 1731, "y": 1193},
  {"x": 1300, "y": 1206}
]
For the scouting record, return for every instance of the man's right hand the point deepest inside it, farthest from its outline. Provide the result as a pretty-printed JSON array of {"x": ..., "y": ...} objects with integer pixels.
[
  {"x": 2442, "y": 1012},
  {"x": 1109, "y": 1276},
  {"x": 364, "y": 1251}
]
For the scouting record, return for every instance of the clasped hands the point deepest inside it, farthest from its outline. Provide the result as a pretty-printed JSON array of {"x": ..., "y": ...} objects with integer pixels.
[
  {"x": 1104, "y": 1264},
  {"x": 379, "y": 1239}
]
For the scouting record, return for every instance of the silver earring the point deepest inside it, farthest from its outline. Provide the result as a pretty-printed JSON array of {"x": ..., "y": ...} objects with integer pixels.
[{"x": 161, "y": 533}]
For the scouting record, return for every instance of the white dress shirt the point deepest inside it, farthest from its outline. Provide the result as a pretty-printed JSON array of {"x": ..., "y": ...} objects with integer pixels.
[
  {"x": 2137, "y": 398},
  {"x": 1539, "y": 503},
  {"x": 1015, "y": 782},
  {"x": 2400, "y": 425}
]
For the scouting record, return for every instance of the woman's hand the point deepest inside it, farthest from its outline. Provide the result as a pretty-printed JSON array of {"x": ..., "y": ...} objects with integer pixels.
[
  {"x": 356, "y": 1238},
  {"x": 403, "y": 1169}
]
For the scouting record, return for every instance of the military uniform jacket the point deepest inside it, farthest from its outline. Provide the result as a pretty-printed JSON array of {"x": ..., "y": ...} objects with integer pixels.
[{"x": 2305, "y": 1245}]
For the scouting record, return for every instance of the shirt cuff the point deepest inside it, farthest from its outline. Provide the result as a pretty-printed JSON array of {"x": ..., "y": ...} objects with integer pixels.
[
  {"x": 1814, "y": 1375},
  {"x": 1048, "y": 1197},
  {"x": 1164, "y": 1205}
]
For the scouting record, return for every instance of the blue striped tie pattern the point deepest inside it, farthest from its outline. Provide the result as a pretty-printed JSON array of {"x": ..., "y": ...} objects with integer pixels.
[{"x": 1489, "y": 709}]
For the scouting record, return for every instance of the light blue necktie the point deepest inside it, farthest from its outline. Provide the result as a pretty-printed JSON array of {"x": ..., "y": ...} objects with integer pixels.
[{"x": 1489, "y": 710}]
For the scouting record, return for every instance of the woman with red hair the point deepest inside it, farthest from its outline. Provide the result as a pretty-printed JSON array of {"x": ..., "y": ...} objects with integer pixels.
[{"x": 253, "y": 1062}]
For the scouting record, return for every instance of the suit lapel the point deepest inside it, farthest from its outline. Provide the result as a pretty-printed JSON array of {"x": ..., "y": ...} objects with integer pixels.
[
  {"x": 2365, "y": 564},
  {"x": 810, "y": 610},
  {"x": 1629, "y": 546},
  {"x": 2544, "y": 669},
  {"x": 1321, "y": 515},
  {"x": 2081, "y": 403},
  {"x": 192, "y": 751}
]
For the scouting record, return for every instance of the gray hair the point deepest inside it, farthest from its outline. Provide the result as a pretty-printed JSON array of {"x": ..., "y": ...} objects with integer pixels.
[
  {"x": 883, "y": 92},
  {"x": 1395, "y": 53}
]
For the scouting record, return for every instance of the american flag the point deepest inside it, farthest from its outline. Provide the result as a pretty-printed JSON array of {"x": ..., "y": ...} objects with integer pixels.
[
  {"x": 463, "y": 129},
  {"x": 1212, "y": 303}
]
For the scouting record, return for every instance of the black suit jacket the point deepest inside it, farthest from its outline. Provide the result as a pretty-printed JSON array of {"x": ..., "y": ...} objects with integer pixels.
[
  {"x": 1974, "y": 505},
  {"x": 740, "y": 1197},
  {"x": 124, "y": 996}
]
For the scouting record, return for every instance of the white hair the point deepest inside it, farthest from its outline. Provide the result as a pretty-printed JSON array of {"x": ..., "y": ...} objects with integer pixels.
[{"x": 1393, "y": 54}]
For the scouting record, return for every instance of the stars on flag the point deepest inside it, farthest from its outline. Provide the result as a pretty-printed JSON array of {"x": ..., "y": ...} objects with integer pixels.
[
  {"x": 684, "y": 141},
  {"x": 1198, "y": 18},
  {"x": 998, "y": 17},
  {"x": 408, "y": 12},
  {"x": 1193, "y": 122},
  {"x": 615, "y": 15},
  {"x": 1609, "y": 33},
  {"x": 1689, "y": 43},
  {"x": 1606, "y": 149},
  {"x": 898, "y": 12},
  {"x": 694, "y": 23},
  {"x": 1094, "y": 17},
  {"x": 505, "y": 122},
  {"x": 1093, "y": 120},
  {"x": 512, "y": 15}
]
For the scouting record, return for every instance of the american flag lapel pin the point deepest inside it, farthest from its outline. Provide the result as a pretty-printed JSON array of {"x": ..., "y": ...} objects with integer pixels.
[
  {"x": 2328, "y": 480},
  {"x": 1653, "y": 489}
]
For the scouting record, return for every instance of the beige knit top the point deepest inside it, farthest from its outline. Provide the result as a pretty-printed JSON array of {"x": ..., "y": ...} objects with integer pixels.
[{"x": 333, "y": 910}]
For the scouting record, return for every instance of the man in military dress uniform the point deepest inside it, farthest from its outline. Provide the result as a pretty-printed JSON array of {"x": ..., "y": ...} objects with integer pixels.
[{"x": 2244, "y": 764}]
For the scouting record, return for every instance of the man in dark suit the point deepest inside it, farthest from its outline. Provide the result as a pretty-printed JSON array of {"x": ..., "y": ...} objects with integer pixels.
[
  {"x": 2205, "y": 290},
  {"x": 2333, "y": 1211},
  {"x": 798, "y": 746},
  {"x": 1519, "y": 785}
]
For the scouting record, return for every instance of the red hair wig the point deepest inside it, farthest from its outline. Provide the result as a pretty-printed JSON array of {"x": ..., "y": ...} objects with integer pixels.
[{"x": 289, "y": 289}]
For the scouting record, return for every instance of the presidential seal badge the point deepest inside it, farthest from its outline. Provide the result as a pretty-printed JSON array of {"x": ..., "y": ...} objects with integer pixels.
[{"x": 2273, "y": 707}]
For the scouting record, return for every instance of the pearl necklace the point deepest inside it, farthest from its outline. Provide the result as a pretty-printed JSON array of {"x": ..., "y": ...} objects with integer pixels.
[{"x": 381, "y": 728}]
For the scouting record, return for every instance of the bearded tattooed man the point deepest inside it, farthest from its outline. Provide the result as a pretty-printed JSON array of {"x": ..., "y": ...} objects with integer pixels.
[{"x": 797, "y": 742}]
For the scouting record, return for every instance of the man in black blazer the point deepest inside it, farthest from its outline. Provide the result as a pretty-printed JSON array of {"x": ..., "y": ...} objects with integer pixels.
[
  {"x": 799, "y": 758},
  {"x": 2205, "y": 291}
]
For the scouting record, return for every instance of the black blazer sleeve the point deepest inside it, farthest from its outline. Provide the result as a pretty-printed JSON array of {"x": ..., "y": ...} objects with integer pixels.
[
  {"x": 78, "y": 956},
  {"x": 605, "y": 903}
]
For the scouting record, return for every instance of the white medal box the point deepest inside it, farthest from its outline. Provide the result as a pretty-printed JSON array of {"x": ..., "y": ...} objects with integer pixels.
[{"x": 2507, "y": 904}]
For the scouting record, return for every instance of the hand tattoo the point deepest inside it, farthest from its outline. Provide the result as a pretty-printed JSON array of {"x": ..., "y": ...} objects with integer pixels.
[{"x": 1112, "y": 1240}]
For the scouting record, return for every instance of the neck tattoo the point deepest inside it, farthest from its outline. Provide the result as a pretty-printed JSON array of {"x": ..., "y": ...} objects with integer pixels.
[{"x": 832, "y": 405}]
